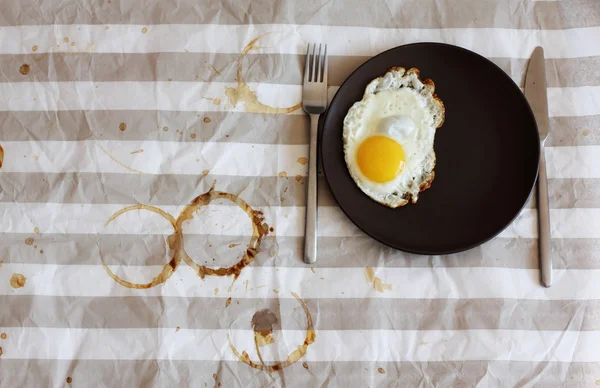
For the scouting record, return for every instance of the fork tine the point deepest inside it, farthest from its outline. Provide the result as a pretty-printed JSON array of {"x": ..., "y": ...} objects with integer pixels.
[
  {"x": 321, "y": 58},
  {"x": 324, "y": 65},
  {"x": 315, "y": 63},
  {"x": 307, "y": 65}
]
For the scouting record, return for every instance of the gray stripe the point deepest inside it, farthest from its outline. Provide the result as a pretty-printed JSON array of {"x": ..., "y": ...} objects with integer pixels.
[
  {"x": 149, "y": 125},
  {"x": 160, "y": 373},
  {"x": 572, "y": 131},
  {"x": 285, "y": 252},
  {"x": 223, "y": 127},
  {"x": 156, "y": 190},
  {"x": 334, "y": 314},
  {"x": 190, "y": 67},
  {"x": 169, "y": 189},
  {"x": 407, "y": 14}
]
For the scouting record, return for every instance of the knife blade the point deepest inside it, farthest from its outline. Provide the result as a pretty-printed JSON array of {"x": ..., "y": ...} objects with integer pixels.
[{"x": 536, "y": 94}]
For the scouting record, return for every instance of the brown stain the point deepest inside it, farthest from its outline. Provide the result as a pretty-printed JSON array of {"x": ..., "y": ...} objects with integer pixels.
[
  {"x": 216, "y": 291},
  {"x": 597, "y": 382},
  {"x": 293, "y": 356},
  {"x": 193, "y": 135},
  {"x": 233, "y": 245},
  {"x": 206, "y": 120},
  {"x": 41, "y": 251},
  {"x": 119, "y": 162},
  {"x": 3, "y": 336},
  {"x": 381, "y": 370},
  {"x": 144, "y": 30},
  {"x": 375, "y": 281},
  {"x": 36, "y": 230},
  {"x": 1, "y": 156},
  {"x": 283, "y": 174},
  {"x": 69, "y": 380},
  {"x": 298, "y": 178},
  {"x": 0, "y": 351},
  {"x": 586, "y": 132},
  {"x": 123, "y": 127},
  {"x": 302, "y": 160},
  {"x": 215, "y": 376},
  {"x": 175, "y": 240},
  {"x": 312, "y": 269},
  {"x": 305, "y": 365},
  {"x": 205, "y": 172},
  {"x": 271, "y": 229},
  {"x": 137, "y": 151},
  {"x": 72, "y": 43},
  {"x": 217, "y": 101},
  {"x": 259, "y": 230},
  {"x": 66, "y": 40},
  {"x": 275, "y": 291},
  {"x": 242, "y": 92},
  {"x": 174, "y": 244},
  {"x": 177, "y": 329},
  {"x": 166, "y": 129},
  {"x": 29, "y": 241},
  {"x": 34, "y": 48},
  {"x": 24, "y": 69},
  {"x": 211, "y": 67},
  {"x": 228, "y": 302},
  {"x": 17, "y": 280}
]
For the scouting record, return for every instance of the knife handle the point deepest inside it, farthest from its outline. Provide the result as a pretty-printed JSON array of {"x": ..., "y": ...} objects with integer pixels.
[{"x": 544, "y": 223}]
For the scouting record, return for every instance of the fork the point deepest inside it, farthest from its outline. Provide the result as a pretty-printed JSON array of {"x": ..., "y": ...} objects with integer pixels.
[{"x": 314, "y": 102}]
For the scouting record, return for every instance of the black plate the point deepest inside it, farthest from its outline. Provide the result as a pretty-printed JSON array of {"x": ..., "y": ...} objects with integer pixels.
[{"x": 487, "y": 153}]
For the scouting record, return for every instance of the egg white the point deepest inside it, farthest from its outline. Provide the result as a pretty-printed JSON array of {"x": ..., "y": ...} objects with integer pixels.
[{"x": 402, "y": 107}]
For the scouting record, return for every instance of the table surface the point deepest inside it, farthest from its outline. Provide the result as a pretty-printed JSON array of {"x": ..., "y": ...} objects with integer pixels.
[{"x": 115, "y": 116}]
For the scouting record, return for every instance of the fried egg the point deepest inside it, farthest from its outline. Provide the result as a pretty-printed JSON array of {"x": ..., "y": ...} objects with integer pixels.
[{"x": 388, "y": 137}]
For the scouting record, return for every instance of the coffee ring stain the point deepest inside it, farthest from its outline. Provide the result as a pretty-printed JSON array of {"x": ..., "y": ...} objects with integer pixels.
[
  {"x": 259, "y": 229},
  {"x": 244, "y": 94},
  {"x": 293, "y": 357},
  {"x": 173, "y": 240}
]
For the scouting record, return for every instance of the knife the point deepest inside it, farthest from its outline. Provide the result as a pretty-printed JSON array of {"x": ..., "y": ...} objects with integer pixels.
[{"x": 535, "y": 92}]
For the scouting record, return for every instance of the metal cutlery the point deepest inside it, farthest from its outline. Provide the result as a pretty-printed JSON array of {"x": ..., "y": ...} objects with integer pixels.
[
  {"x": 535, "y": 92},
  {"x": 314, "y": 102}
]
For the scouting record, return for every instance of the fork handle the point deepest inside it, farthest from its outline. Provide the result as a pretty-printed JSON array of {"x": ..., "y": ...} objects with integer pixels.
[{"x": 310, "y": 228}]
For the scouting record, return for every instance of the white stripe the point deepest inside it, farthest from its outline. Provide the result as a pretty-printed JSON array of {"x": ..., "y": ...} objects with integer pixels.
[
  {"x": 329, "y": 345},
  {"x": 159, "y": 157},
  {"x": 220, "y": 158},
  {"x": 292, "y": 39},
  {"x": 573, "y": 162},
  {"x": 221, "y": 219},
  {"x": 187, "y": 96},
  {"x": 160, "y": 95},
  {"x": 406, "y": 283}
]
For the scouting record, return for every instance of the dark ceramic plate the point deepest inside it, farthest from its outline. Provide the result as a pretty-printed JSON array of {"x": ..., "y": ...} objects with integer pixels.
[{"x": 487, "y": 153}]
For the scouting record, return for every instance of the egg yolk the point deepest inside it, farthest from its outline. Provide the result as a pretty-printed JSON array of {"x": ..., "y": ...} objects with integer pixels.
[{"x": 380, "y": 158}]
